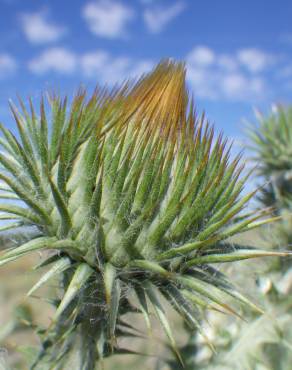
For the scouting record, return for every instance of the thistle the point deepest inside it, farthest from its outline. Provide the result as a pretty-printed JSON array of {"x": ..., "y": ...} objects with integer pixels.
[
  {"x": 131, "y": 194},
  {"x": 271, "y": 142},
  {"x": 272, "y": 147}
]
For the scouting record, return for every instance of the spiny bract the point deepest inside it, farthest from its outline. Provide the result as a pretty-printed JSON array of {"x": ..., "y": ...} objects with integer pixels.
[
  {"x": 272, "y": 140},
  {"x": 271, "y": 144},
  {"x": 135, "y": 195}
]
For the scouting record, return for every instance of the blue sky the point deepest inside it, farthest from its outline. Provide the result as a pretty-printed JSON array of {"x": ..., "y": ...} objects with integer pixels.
[{"x": 238, "y": 53}]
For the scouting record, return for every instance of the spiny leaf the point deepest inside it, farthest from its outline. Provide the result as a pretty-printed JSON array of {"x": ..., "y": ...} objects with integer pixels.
[
  {"x": 60, "y": 266},
  {"x": 66, "y": 223},
  {"x": 149, "y": 266},
  {"x": 206, "y": 290},
  {"x": 187, "y": 248},
  {"x": 216, "y": 278},
  {"x": 27, "y": 198},
  {"x": 188, "y": 312},
  {"x": 35, "y": 245},
  {"x": 163, "y": 319},
  {"x": 141, "y": 296},
  {"x": 236, "y": 255},
  {"x": 78, "y": 281}
]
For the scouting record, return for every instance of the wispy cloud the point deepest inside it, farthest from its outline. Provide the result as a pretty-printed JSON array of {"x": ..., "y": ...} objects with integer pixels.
[
  {"x": 254, "y": 59},
  {"x": 211, "y": 74},
  {"x": 8, "y": 65},
  {"x": 59, "y": 60},
  {"x": 157, "y": 17},
  {"x": 107, "y": 18},
  {"x": 38, "y": 29},
  {"x": 234, "y": 77},
  {"x": 99, "y": 65},
  {"x": 108, "y": 69},
  {"x": 241, "y": 87},
  {"x": 227, "y": 62},
  {"x": 201, "y": 56}
]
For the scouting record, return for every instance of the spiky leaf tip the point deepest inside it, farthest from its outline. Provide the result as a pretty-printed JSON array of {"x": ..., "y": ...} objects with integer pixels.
[{"x": 134, "y": 192}]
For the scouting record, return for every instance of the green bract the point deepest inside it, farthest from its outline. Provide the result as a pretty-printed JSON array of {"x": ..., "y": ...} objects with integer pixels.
[
  {"x": 134, "y": 194},
  {"x": 271, "y": 142},
  {"x": 265, "y": 342}
]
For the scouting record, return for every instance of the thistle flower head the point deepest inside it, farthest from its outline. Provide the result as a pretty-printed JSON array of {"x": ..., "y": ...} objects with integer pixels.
[
  {"x": 134, "y": 193},
  {"x": 271, "y": 142}
]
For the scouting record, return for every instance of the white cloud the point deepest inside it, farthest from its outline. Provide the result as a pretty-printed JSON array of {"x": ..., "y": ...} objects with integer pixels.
[
  {"x": 107, "y": 18},
  {"x": 202, "y": 84},
  {"x": 221, "y": 76},
  {"x": 98, "y": 65},
  {"x": 227, "y": 62},
  {"x": 201, "y": 56},
  {"x": 212, "y": 75},
  {"x": 58, "y": 60},
  {"x": 214, "y": 85},
  {"x": 241, "y": 87},
  {"x": 102, "y": 66},
  {"x": 93, "y": 62},
  {"x": 7, "y": 65},
  {"x": 108, "y": 69},
  {"x": 38, "y": 29},
  {"x": 141, "y": 67},
  {"x": 254, "y": 60},
  {"x": 157, "y": 18}
]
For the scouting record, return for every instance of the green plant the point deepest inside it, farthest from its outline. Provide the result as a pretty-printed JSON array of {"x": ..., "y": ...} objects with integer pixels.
[
  {"x": 133, "y": 194},
  {"x": 270, "y": 349},
  {"x": 271, "y": 142},
  {"x": 260, "y": 343}
]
